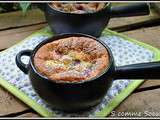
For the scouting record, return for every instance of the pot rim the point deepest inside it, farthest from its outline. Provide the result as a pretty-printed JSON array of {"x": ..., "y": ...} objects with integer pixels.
[
  {"x": 60, "y": 11},
  {"x": 65, "y": 35}
]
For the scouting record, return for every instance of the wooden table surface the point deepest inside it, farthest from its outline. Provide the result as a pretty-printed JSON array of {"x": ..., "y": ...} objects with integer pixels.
[{"x": 14, "y": 27}]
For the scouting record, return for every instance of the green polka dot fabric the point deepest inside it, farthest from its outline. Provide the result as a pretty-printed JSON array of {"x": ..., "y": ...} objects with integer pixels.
[{"x": 124, "y": 52}]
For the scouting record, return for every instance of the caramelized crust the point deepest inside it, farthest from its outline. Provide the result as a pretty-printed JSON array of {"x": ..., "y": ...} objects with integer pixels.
[
  {"x": 78, "y": 8},
  {"x": 71, "y": 59}
]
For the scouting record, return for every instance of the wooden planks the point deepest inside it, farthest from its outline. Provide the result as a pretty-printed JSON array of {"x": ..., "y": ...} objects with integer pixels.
[
  {"x": 147, "y": 35},
  {"x": 150, "y": 84},
  {"x": 28, "y": 115},
  {"x": 18, "y": 19},
  {"x": 9, "y": 104},
  {"x": 145, "y": 102},
  {"x": 117, "y": 23},
  {"x": 12, "y": 36}
]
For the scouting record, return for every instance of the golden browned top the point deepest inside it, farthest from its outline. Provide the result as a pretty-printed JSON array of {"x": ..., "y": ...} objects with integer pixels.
[
  {"x": 71, "y": 59},
  {"x": 78, "y": 7}
]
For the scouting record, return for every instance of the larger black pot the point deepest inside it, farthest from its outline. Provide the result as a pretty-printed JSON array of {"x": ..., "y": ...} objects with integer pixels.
[
  {"x": 89, "y": 23},
  {"x": 82, "y": 95}
]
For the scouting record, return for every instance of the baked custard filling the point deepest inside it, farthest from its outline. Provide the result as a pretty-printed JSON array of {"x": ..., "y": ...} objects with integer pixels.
[{"x": 71, "y": 59}]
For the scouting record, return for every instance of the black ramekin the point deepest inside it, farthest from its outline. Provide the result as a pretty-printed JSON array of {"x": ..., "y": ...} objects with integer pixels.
[
  {"x": 78, "y": 96},
  {"x": 89, "y": 23}
]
